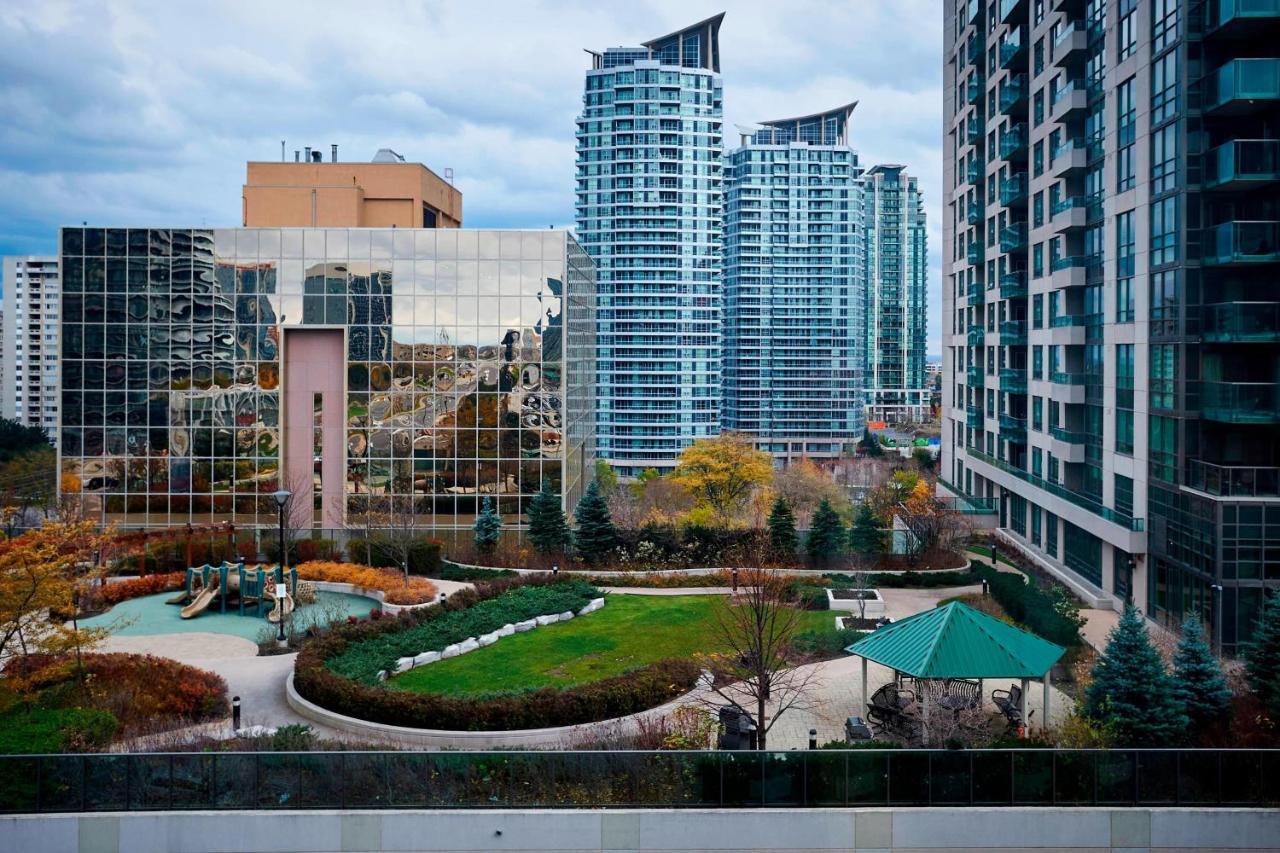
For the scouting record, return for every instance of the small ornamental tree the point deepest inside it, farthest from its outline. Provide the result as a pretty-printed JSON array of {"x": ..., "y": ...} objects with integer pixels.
[
  {"x": 826, "y": 535},
  {"x": 870, "y": 444},
  {"x": 867, "y": 539},
  {"x": 782, "y": 529},
  {"x": 488, "y": 528},
  {"x": 1262, "y": 657},
  {"x": 1198, "y": 682},
  {"x": 1131, "y": 693},
  {"x": 595, "y": 537},
  {"x": 548, "y": 530}
]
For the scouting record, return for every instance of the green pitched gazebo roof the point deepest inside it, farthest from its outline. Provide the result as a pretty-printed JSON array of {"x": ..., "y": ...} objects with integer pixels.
[{"x": 956, "y": 641}]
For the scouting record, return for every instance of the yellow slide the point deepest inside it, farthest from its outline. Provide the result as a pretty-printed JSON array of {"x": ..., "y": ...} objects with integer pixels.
[{"x": 203, "y": 598}]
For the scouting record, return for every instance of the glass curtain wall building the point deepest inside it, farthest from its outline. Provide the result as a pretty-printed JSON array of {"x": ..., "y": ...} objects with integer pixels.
[
  {"x": 897, "y": 310},
  {"x": 649, "y": 200},
  {"x": 794, "y": 288},
  {"x": 407, "y": 373},
  {"x": 1112, "y": 354}
]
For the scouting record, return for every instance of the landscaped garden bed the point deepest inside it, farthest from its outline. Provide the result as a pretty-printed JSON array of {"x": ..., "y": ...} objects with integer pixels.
[
  {"x": 394, "y": 586},
  {"x": 863, "y": 601}
]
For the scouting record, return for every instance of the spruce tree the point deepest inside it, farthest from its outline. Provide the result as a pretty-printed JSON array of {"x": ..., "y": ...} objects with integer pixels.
[
  {"x": 1198, "y": 682},
  {"x": 826, "y": 534},
  {"x": 1132, "y": 692},
  {"x": 1262, "y": 657},
  {"x": 870, "y": 442},
  {"x": 866, "y": 539},
  {"x": 782, "y": 529},
  {"x": 488, "y": 527},
  {"x": 595, "y": 537},
  {"x": 548, "y": 530}
]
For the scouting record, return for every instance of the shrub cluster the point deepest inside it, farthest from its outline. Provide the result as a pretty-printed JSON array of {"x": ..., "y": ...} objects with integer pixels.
[
  {"x": 364, "y": 659},
  {"x": 27, "y": 730},
  {"x": 909, "y": 579},
  {"x": 394, "y": 586},
  {"x": 449, "y": 571},
  {"x": 114, "y": 593},
  {"x": 625, "y": 694},
  {"x": 1029, "y": 605},
  {"x": 424, "y": 555}
]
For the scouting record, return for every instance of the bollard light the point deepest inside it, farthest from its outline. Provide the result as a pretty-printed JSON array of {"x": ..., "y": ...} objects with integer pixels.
[
  {"x": 813, "y": 738},
  {"x": 555, "y": 569},
  {"x": 235, "y": 713}
]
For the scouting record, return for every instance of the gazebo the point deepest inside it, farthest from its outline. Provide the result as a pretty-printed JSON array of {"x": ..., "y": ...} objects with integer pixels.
[{"x": 956, "y": 641}]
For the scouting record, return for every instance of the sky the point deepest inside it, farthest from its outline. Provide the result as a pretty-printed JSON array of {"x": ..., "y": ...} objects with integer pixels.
[{"x": 144, "y": 113}]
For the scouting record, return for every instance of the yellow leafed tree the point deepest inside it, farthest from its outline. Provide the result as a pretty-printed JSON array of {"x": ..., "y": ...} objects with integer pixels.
[{"x": 722, "y": 472}]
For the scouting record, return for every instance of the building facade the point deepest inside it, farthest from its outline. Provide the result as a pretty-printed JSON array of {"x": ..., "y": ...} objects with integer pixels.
[
  {"x": 795, "y": 287},
  {"x": 649, "y": 212},
  {"x": 1112, "y": 348},
  {"x": 897, "y": 309},
  {"x": 30, "y": 342},
  {"x": 403, "y": 373}
]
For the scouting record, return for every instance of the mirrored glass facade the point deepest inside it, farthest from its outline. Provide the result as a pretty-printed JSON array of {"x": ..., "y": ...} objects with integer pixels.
[{"x": 466, "y": 362}]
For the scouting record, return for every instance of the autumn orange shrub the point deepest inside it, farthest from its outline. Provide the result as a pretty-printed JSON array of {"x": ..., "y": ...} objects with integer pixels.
[
  {"x": 393, "y": 585},
  {"x": 114, "y": 593}
]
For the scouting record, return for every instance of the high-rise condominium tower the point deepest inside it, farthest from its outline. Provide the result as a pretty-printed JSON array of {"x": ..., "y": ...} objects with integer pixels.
[
  {"x": 897, "y": 314},
  {"x": 1112, "y": 330},
  {"x": 31, "y": 294},
  {"x": 794, "y": 287},
  {"x": 649, "y": 213}
]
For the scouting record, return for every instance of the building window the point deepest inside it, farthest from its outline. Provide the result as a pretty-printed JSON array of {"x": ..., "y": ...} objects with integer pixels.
[
  {"x": 1037, "y": 108},
  {"x": 1126, "y": 246},
  {"x": 1128, "y": 29},
  {"x": 1164, "y": 159},
  {"x": 1051, "y": 534},
  {"x": 1163, "y": 449},
  {"x": 1037, "y": 414},
  {"x": 1037, "y": 362},
  {"x": 1035, "y": 524},
  {"x": 1037, "y": 260},
  {"x": 1163, "y": 375},
  {"x": 1038, "y": 63},
  {"x": 1164, "y": 87},
  {"x": 1037, "y": 210},
  {"x": 1124, "y": 431},
  {"x": 1037, "y": 159},
  {"x": 1164, "y": 303},
  {"x": 1164, "y": 231},
  {"x": 1037, "y": 311},
  {"x": 1124, "y": 495},
  {"x": 1037, "y": 462},
  {"x": 1126, "y": 120},
  {"x": 1164, "y": 24}
]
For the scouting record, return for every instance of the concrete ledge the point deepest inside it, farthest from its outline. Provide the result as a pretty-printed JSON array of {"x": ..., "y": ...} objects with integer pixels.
[
  {"x": 954, "y": 830},
  {"x": 1091, "y": 595},
  {"x": 376, "y": 594},
  {"x": 561, "y": 737}
]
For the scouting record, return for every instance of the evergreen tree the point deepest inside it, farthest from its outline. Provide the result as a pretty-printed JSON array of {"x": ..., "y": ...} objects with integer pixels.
[
  {"x": 826, "y": 535},
  {"x": 866, "y": 538},
  {"x": 870, "y": 444},
  {"x": 1262, "y": 657},
  {"x": 548, "y": 530},
  {"x": 782, "y": 529},
  {"x": 1198, "y": 682},
  {"x": 1131, "y": 691},
  {"x": 596, "y": 537},
  {"x": 488, "y": 527}
]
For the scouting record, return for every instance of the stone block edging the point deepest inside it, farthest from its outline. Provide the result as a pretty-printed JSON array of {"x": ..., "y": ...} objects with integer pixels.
[
  {"x": 874, "y": 606},
  {"x": 555, "y": 737}
]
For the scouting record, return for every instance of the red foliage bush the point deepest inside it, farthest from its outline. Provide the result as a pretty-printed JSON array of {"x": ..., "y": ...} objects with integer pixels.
[{"x": 114, "y": 593}]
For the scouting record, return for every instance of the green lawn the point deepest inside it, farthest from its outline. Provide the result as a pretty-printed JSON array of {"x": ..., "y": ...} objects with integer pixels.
[{"x": 631, "y": 631}]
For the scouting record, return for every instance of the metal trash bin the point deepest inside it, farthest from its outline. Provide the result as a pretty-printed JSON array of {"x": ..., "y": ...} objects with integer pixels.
[
  {"x": 855, "y": 729},
  {"x": 737, "y": 729}
]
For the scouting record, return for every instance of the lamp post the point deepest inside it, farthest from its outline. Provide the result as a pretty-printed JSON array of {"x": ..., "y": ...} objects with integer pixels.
[
  {"x": 282, "y": 497},
  {"x": 1217, "y": 618}
]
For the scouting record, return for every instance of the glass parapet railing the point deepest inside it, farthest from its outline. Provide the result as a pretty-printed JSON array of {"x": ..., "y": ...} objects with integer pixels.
[
  {"x": 1242, "y": 242},
  {"x": 1240, "y": 402},
  {"x": 1083, "y": 501},
  {"x": 1242, "y": 160},
  {"x": 1242, "y": 481},
  {"x": 1249, "y": 83},
  {"x": 1241, "y": 322}
]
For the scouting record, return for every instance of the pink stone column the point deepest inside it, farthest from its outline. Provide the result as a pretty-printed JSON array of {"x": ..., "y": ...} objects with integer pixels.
[{"x": 314, "y": 363}]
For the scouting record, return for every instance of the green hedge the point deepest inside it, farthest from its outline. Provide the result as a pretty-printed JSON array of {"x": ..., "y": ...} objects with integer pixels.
[
  {"x": 424, "y": 556},
  {"x": 1031, "y": 606},
  {"x": 362, "y": 645},
  {"x": 448, "y": 571},
  {"x": 912, "y": 580},
  {"x": 28, "y": 730}
]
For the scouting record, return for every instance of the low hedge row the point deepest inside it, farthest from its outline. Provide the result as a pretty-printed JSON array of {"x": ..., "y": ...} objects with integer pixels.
[
  {"x": 395, "y": 587},
  {"x": 1031, "y": 606},
  {"x": 625, "y": 694},
  {"x": 114, "y": 593},
  {"x": 910, "y": 579},
  {"x": 468, "y": 574},
  {"x": 423, "y": 555},
  {"x": 363, "y": 659}
]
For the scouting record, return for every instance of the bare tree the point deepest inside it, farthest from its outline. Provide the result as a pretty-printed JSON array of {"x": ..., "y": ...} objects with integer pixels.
[
  {"x": 390, "y": 529},
  {"x": 757, "y": 629}
]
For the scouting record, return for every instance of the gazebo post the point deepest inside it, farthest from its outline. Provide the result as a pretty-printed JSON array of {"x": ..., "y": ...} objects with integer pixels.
[
  {"x": 1022, "y": 703},
  {"x": 863, "y": 709},
  {"x": 924, "y": 714},
  {"x": 1048, "y": 683}
]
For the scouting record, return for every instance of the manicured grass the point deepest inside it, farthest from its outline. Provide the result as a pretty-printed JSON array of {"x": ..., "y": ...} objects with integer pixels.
[{"x": 631, "y": 631}]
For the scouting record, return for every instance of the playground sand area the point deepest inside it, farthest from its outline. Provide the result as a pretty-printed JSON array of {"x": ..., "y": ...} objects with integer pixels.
[{"x": 151, "y": 615}]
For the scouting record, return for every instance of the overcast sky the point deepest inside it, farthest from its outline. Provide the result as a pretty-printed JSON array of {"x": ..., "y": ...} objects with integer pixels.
[{"x": 139, "y": 113}]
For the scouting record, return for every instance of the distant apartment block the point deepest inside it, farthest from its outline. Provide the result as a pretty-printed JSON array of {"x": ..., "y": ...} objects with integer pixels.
[{"x": 30, "y": 344}]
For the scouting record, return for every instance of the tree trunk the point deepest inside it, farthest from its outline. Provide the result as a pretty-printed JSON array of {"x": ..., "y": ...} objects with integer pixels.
[{"x": 760, "y": 727}]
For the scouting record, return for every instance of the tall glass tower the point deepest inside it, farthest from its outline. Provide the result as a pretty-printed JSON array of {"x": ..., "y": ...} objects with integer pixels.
[
  {"x": 649, "y": 208},
  {"x": 897, "y": 269},
  {"x": 795, "y": 287}
]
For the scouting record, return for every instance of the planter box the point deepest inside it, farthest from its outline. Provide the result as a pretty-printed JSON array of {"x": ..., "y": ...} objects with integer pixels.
[{"x": 875, "y": 604}]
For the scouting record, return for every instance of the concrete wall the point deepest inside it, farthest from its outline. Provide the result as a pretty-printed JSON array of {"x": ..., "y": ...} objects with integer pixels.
[{"x": 966, "y": 829}]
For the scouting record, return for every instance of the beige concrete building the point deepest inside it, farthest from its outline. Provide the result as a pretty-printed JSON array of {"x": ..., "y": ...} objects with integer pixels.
[{"x": 385, "y": 193}]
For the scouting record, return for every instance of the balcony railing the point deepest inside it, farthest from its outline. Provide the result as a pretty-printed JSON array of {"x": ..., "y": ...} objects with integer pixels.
[
  {"x": 1240, "y": 402},
  {"x": 1243, "y": 14},
  {"x": 977, "y": 296},
  {"x": 973, "y": 172},
  {"x": 1013, "y": 189},
  {"x": 1128, "y": 522},
  {"x": 1059, "y": 377},
  {"x": 1013, "y": 92},
  {"x": 973, "y": 132},
  {"x": 1064, "y": 321},
  {"x": 1013, "y": 141},
  {"x": 968, "y": 504},
  {"x": 1242, "y": 242},
  {"x": 973, "y": 92},
  {"x": 1013, "y": 429},
  {"x": 1013, "y": 333},
  {"x": 1007, "y": 8},
  {"x": 1067, "y": 90},
  {"x": 1243, "y": 161},
  {"x": 1013, "y": 237},
  {"x": 1011, "y": 48},
  {"x": 1070, "y": 436},
  {"x": 975, "y": 253},
  {"x": 973, "y": 375},
  {"x": 1238, "y": 481},
  {"x": 1241, "y": 322},
  {"x": 1243, "y": 85},
  {"x": 1067, "y": 262},
  {"x": 976, "y": 336},
  {"x": 973, "y": 417},
  {"x": 973, "y": 51},
  {"x": 974, "y": 215},
  {"x": 1013, "y": 285},
  {"x": 1062, "y": 205},
  {"x": 1066, "y": 32},
  {"x": 1013, "y": 380}
]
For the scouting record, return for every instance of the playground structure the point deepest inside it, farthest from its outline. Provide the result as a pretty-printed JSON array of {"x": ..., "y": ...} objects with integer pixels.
[{"x": 249, "y": 589}]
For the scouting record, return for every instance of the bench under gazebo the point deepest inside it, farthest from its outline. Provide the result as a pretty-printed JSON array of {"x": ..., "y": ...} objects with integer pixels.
[{"x": 947, "y": 651}]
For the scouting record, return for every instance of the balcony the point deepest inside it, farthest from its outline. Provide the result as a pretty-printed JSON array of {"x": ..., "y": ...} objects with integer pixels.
[
  {"x": 1013, "y": 93},
  {"x": 1013, "y": 333},
  {"x": 1058, "y": 490},
  {"x": 1071, "y": 98},
  {"x": 1241, "y": 322},
  {"x": 973, "y": 133},
  {"x": 1068, "y": 213},
  {"x": 976, "y": 336},
  {"x": 1240, "y": 402},
  {"x": 1011, "y": 49},
  {"x": 1008, "y": 7},
  {"x": 973, "y": 215},
  {"x": 1059, "y": 377},
  {"x": 1013, "y": 428},
  {"x": 1069, "y": 271},
  {"x": 1242, "y": 164},
  {"x": 1233, "y": 481},
  {"x": 1013, "y": 284},
  {"x": 1070, "y": 43},
  {"x": 1070, "y": 436},
  {"x": 1234, "y": 18},
  {"x": 1233, "y": 243},
  {"x": 974, "y": 10},
  {"x": 1013, "y": 237},
  {"x": 973, "y": 51},
  {"x": 1243, "y": 86},
  {"x": 975, "y": 253},
  {"x": 1013, "y": 142},
  {"x": 976, "y": 295},
  {"x": 973, "y": 375},
  {"x": 1013, "y": 189},
  {"x": 973, "y": 172},
  {"x": 1067, "y": 158},
  {"x": 1013, "y": 380},
  {"x": 973, "y": 90},
  {"x": 973, "y": 417}
]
